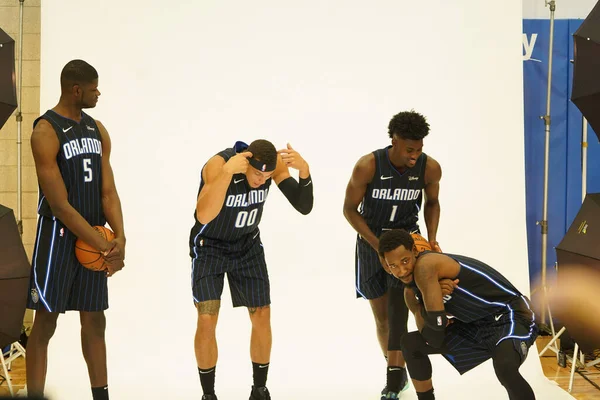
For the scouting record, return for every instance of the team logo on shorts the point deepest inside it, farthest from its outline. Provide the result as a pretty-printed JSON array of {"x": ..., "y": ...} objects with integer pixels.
[
  {"x": 439, "y": 321},
  {"x": 34, "y": 295},
  {"x": 62, "y": 232},
  {"x": 524, "y": 348}
]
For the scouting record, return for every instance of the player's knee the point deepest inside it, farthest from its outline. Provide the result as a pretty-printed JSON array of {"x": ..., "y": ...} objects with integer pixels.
[
  {"x": 411, "y": 345},
  {"x": 93, "y": 323},
  {"x": 260, "y": 316},
  {"x": 45, "y": 326}
]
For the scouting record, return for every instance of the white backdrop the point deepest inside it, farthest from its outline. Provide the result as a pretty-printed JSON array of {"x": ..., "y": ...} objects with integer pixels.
[{"x": 183, "y": 81}]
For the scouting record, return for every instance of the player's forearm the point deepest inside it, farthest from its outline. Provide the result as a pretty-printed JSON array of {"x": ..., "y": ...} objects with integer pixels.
[
  {"x": 211, "y": 199},
  {"x": 358, "y": 223},
  {"x": 299, "y": 194},
  {"x": 431, "y": 213},
  {"x": 79, "y": 226},
  {"x": 111, "y": 205},
  {"x": 419, "y": 321}
]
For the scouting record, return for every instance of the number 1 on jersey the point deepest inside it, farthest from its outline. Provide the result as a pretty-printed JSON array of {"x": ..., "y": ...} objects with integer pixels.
[
  {"x": 394, "y": 208},
  {"x": 87, "y": 170}
]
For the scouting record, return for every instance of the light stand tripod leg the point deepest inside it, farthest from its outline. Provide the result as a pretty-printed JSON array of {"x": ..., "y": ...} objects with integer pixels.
[{"x": 573, "y": 366}]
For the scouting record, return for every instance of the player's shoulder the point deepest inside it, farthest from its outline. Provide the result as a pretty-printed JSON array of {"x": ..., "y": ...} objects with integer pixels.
[
  {"x": 433, "y": 170},
  {"x": 43, "y": 131},
  {"x": 366, "y": 161},
  {"x": 427, "y": 263}
]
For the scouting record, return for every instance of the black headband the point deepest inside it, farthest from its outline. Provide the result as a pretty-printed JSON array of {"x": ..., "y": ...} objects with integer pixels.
[{"x": 261, "y": 166}]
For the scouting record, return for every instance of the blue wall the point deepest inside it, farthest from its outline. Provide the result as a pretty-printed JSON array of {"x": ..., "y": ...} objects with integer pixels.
[{"x": 564, "y": 184}]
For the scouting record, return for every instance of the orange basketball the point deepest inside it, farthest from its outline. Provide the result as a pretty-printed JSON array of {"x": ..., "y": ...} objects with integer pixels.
[
  {"x": 421, "y": 244},
  {"x": 88, "y": 256}
]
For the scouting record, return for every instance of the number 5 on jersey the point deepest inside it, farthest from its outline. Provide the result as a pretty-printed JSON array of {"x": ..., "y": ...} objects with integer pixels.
[{"x": 87, "y": 170}]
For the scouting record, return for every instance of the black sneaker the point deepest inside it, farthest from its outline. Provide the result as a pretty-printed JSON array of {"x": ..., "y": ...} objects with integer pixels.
[
  {"x": 209, "y": 397},
  {"x": 261, "y": 393},
  {"x": 384, "y": 393}
]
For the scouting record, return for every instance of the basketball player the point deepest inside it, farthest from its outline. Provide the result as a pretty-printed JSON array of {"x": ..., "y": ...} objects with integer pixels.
[
  {"x": 77, "y": 191},
  {"x": 490, "y": 318},
  {"x": 385, "y": 192},
  {"x": 226, "y": 239}
]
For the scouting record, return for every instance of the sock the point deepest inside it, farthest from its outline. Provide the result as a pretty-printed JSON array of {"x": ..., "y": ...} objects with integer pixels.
[
  {"x": 428, "y": 395},
  {"x": 100, "y": 393},
  {"x": 207, "y": 380},
  {"x": 260, "y": 374},
  {"x": 394, "y": 378}
]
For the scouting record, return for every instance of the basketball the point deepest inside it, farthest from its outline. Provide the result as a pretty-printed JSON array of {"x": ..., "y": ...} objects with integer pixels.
[
  {"x": 88, "y": 256},
  {"x": 421, "y": 244}
]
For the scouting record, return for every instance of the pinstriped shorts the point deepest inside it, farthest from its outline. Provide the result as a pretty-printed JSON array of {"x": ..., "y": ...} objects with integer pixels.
[
  {"x": 58, "y": 282},
  {"x": 244, "y": 263}
]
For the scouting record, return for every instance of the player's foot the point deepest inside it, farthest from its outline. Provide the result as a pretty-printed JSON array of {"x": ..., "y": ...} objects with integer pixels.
[
  {"x": 261, "y": 393},
  {"x": 209, "y": 397},
  {"x": 404, "y": 383},
  {"x": 384, "y": 393},
  {"x": 392, "y": 395}
]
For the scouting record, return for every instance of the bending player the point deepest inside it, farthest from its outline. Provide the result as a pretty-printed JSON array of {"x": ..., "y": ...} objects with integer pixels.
[{"x": 490, "y": 318}]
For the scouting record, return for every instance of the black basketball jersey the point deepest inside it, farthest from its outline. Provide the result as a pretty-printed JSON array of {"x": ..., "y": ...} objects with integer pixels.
[
  {"x": 241, "y": 212},
  {"x": 393, "y": 199},
  {"x": 79, "y": 160},
  {"x": 482, "y": 292}
]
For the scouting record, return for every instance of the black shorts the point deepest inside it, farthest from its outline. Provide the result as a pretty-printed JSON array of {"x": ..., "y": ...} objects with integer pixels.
[
  {"x": 371, "y": 279},
  {"x": 468, "y": 345},
  {"x": 58, "y": 282},
  {"x": 244, "y": 263}
]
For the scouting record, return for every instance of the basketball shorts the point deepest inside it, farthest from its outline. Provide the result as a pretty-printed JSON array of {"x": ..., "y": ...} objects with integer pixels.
[
  {"x": 468, "y": 345},
  {"x": 58, "y": 282},
  {"x": 244, "y": 263}
]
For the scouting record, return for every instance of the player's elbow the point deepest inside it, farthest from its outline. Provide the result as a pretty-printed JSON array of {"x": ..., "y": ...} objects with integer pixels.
[
  {"x": 60, "y": 209},
  {"x": 349, "y": 210},
  {"x": 203, "y": 217}
]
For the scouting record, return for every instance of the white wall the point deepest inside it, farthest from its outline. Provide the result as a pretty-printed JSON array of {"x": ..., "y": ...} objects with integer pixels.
[
  {"x": 182, "y": 82},
  {"x": 565, "y": 9}
]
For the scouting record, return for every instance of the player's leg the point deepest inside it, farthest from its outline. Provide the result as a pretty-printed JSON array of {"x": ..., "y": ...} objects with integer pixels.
[
  {"x": 89, "y": 296},
  {"x": 205, "y": 343},
  {"x": 93, "y": 345},
  {"x": 371, "y": 284},
  {"x": 44, "y": 325},
  {"x": 416, "y": 353},
  {"x": 379, "y": 307},
  {"x": 397, "y": 378},
  {"x": 508, "y": 357},
  {"x": 250, "y": 287},
  {"x": 208, "y": 275},
  {"x": 50, "y": 282},
  {"x": 462, "y": 348}
]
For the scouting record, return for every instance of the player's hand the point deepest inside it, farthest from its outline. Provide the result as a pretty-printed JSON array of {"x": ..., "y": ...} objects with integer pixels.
[
  {"x": 238, "y": 164},
  {"x": 292, "y": 159},
  {"x": 448, "y": 286},
  {"x": 435, "y": 246},
  {"x": 114, "y": 267},
  {"x": 115, "y": 259},
  {"x": 117, "y": 252}
]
